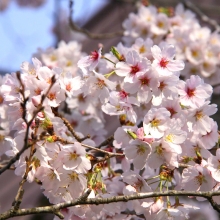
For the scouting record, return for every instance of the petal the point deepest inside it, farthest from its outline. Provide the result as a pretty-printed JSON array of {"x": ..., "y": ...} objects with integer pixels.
[{"x": 156, "y": 52}]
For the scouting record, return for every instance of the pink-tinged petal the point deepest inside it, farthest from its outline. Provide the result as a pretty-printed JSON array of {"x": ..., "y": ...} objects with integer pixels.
[
  {"x": 156, "y": 133},
  {"x": 191, "y": 185},
  {"x": 133, "y": 101},
  {"x": 84, "y": 62},
  {"x": 130, "y": 152},
  {"x": 175, "y": 65},
  {"x": 144, "y": 96},
  {"x": 189, "y": 173},
  {"x": 93, "y": 65},
  {"x": 179, "y": 137},
  {"x": 84, "y": 166},
  {"x": 169, "y": 52},
  {"x": 71, "y": 164},
  {"x": 111, "y": 110},
  {"x": 201, "y": 93},
  {"x": 155, "y": 160},
  {"x": 131, "y": 87},
  {"x": 156, "y": 52},
  {"x": 104, "y": 95},
  {"x": 132, "y": 57},
  {"x": 122, "y": 69},
  {"x": 131, "y": 115},
  {"x": 129, "y": 190},
  {"x": 216, "y": 175},
  {"x": 176, "y": 148},
  {"x": 139, "y": 162},
  {"x": 210, "y": 109}
]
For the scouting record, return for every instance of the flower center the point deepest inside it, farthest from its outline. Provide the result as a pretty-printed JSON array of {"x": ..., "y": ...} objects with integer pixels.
[
  {"x": 69, "y": 63},
  {"x": 32, "y": 71},
  {"x": 94, "y": 55},
  {"x": 81, "y": 98},
  {"x": 199, "y": 115},
  {"x": 162, "y": 85},
  {"x": 100, "y": 83},
  {"x": 169, "y": 138},
  {"x": 160, "y": 24},
  {"x": 123, "y": 94},
  {"x": 37, "y": 91},
  {"x": 73, "y": 176},
  {"x": 144, "y": 81},
  {"x": 195, "y": 53},
  {"x": 155, "y": 122},
  {"x": 134, "y": 69},
  {"x": 53, "y": 58},
  {"x": 72, "y": 156},
  {"x": 159, "y": 150},
  {"x": 51, "y": 175},
  {"x": 51, "y": 96},
  {"x": 141, "y": 149},
  {"x": 142, "y": 49},
  {"x": 68, "y": 87},
  {"x": 200, "y": 179},
  {"x": 172, "y": 111},
  {"x": 163, "y": 62},
  {"x": 190, "y": 92}
]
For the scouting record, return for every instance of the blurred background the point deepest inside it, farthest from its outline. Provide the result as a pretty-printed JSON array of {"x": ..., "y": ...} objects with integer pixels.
[{"x": 27, "y": 25}]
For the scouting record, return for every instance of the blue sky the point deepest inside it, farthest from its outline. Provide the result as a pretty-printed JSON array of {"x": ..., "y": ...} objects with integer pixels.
[{"x": 24, "y": 29}]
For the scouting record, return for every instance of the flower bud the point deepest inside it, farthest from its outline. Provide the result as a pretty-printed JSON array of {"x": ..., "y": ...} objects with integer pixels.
[{"x": 117, "y": 54}]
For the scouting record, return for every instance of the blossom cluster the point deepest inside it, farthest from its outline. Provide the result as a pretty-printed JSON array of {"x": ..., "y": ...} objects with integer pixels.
[
  {"x": 63, "y": 106},
  {"x": 165, "y": 122},
  {"x": 196, "y": 45}
]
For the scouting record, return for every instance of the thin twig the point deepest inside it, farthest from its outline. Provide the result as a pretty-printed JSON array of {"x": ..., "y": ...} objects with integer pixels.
[
  {"x": 74, "y": 27},
  {"x": 4, "y": 162},
  {"x": 68, "y": 125},
  {"x": 106, "y": 142},
  {"x": 22, "y": 92},
  {"x": 110, "y": 154}
]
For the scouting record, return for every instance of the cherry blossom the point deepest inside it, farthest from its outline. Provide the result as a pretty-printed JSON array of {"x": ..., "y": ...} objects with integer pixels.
[
  {"x": 89, "y": 63},
  {"x": 139, "y": 152},
  {"x": 127, "y": 125},
  {"x": 164, "y": 59}
]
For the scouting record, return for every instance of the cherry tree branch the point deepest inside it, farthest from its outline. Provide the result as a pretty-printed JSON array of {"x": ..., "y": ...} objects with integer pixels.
[
  {"x": 74, "y": 27},
  {"x": 55, "y": 209},
  {"x": 83, "y": 200},
  {"x": 68, "y": 125},
  {"x": 109, "y": 154},
  {"x": 5, "y": 162}
]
